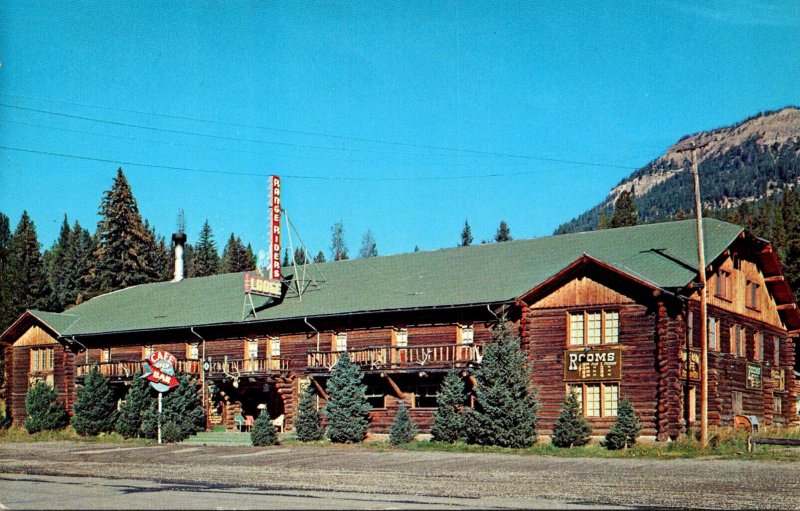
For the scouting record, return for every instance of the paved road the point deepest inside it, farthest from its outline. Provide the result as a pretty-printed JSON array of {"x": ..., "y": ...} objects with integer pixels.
[{"x": 84, "y": 475}]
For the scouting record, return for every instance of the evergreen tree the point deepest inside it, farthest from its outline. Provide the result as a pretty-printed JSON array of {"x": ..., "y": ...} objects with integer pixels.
[
  {"x": 625, "y": 213},
  {"x": 285, "y": 261},
  {"x": 236, "y": 257},
  {"x": 56, "y": 262},
  {"x": 45, "y": 413},
  {"x": 416, "y": 248},
  {"x": 206, "y": 259},
  {"x": 571, "y": 428},
  {"x": 466, "y": 235},
  {"x": 320, "y": 257},
  {"x": 625, "y": 431},
  {"x": 307, "y": 424},
  {"x": 123, "y": 241},
  {"x": 25, "y": 284},
  {"x": 159, "y": 259},
  {"x": 76, "y": 280},
  {"x": 505, "y": 405},
  {"x": 263, "y": 431},
  {"x": 188, "y": 260},
  {"x": 338, "y": 245},
  {"x": 368, "y": 246},
  {"x": 449, "y": 420},
  {"x": 181, "y": 407},
  {"x": 248, "y": 259},
  {"x": 347, "y": 409},
  {"x": 6, "y": 309},
  {"x": 180, "y": 222},
  {"x": 95, "y": 410},
  {"x": 503, "y": 233},
  {"x": 403, "y": 428},
  {"x": 138, "y": 399},
  {"x": 300, "y": 256},
  {"x": 603, "y": 222}
]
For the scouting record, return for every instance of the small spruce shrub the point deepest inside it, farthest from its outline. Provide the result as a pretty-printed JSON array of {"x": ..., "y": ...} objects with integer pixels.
[
  {"x": 449, "y": 421},
  {"x": 180, "y": 406},
  {"x": 45, "y": 413},
  {"x": 403, "y": 428},
  {"x": 571, "y": 429},
  {"x": 505, "y": 404},
  {"x": 625, "y": 431},
  {"x": 347, "y": 409},
  {"x": 95, "y": 410},
  {"x": 308, "y": 425},
  {"x": 263, "y": 431},
  {"x": 138, "y": 399}
]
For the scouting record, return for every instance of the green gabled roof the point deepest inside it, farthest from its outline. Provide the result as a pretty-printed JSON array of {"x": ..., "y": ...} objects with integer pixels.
[{"x": 663, "y": 255}]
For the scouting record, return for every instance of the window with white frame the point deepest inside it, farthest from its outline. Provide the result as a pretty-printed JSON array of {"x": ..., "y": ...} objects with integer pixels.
[
  {"x": 751, "y": 295},
  {"x": 147, "y": 350},
  {"x": 758, "y": 346},
  {"x": 590, "y": 328},
  {"x": 776, "y": 351},
  {"x": 341, "y": 341},
  {"x": 105, "y": 355},
  {"x": 467, "y": 334},
  {"x": 252, "y": 348},
  {"x": 43, "y": 360},
  {"x": 401, "y": 337},
  {"x": 275, "y": 346},
  {"x": 777, "y": 404},
  {"x": 597, "y": 399},
  {"x": 738, "y": 344},
  {"x": 713, "y": 328},
  {"x": 193, "y": 351}
]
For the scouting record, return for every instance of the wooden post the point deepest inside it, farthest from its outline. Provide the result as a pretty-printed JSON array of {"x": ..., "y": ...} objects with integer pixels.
[
  {"x": 159, "y": 418},
  {"x": 703, "y": 306}
]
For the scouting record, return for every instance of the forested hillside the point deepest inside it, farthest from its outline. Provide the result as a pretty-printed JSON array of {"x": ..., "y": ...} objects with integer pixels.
[{"x": 744, "y": 163}]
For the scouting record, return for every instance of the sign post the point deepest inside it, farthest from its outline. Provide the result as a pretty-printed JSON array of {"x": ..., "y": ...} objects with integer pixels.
[{"x": 159, "y": 369}]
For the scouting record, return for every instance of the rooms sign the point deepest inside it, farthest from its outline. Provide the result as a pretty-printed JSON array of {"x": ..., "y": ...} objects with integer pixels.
[{"x": 595, "y": 364}]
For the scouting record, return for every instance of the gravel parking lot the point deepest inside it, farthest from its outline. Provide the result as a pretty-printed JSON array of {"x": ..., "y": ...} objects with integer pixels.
[{"x": 504, "y": 480}]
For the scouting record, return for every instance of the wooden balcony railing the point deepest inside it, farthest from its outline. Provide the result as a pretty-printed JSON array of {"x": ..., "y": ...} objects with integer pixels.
[
  {"x": 396, "y": 357},
  {"x": 244, "y": 366},
  {"x": 127, "y": 368}
]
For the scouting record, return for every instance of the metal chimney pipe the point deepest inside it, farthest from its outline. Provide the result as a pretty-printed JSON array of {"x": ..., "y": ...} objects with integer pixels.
[{"x": 179, "y": 239}]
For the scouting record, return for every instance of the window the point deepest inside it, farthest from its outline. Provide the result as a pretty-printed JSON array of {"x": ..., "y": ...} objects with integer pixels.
[
  {"x": 425, "y": 396},
  {"x": 777, "y": 404},
  {"x": 738, "y": 344},
  {"x": 751, "y": 295},
  {"x": 401, "y": 337},
  {"x": 467, "y": 334},
  {"x": 713, "y": 327},
  {"x": 43, "y": 360},
  {"x": 341, "y": 341},
  {"x": 776, "y": 351},
  {"x": 193, "y": 351},
  {"x": 598, "y": 399},
  {"x": 723, "y": 287},
  {"x": 275, "y": 346},
  {"x": 758, "y": 346},
  {"x": 105, "y": 355},
  {"x": 593, "y": 328},
  {"x": 252, "y": 348},
  {"x": 375, "y": 396},
  {"x": 147, "y": 351},
  {"x": 736, "y": 398},
  {"x": 690, "y": 404}
]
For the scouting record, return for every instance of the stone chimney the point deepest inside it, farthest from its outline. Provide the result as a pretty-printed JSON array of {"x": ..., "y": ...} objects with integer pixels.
[{"x": 178, "y": 239}]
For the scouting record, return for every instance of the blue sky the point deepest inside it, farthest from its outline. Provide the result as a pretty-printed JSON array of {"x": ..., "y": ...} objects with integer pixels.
[{"x": 401, "y": 117}]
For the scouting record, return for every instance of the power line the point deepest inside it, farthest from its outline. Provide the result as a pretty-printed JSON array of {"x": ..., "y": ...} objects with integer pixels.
[
  {"x": 306, "y": 146},
  {"x": 255, "y": 174}
]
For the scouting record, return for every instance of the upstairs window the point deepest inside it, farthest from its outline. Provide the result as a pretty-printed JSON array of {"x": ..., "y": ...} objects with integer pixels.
[
  {"x": 43, "y": 360},
  {"x": 341, "y": 341},
  {"x": 590, "y": 328},
  {"x": 713, "y": 328},
  {"x": 401, "y": 337},
  {"x": 275, "y": 346},
  {"x": 776, "y": 351},
  {"x": 758, "y": 346},
  {"x": 751, "y": 295},
  {"x": 147, "y": 351},
  {"x": 723, "y": 286},
  {"x": 105, "y": 355},
  {"x": 467, "y": 334},
  {"x": 738, "y": 345},
  {"x": 193, "y": 351},
  {"x": 251, "y": 348}
]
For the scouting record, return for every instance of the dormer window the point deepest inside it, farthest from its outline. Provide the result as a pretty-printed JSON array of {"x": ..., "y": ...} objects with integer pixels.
[
  {"x": 751, "y": 295},
  {"x": 723, "y": 286}
]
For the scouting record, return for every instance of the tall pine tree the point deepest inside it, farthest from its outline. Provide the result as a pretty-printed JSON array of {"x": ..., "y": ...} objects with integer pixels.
[
  {"x": 368, "y": 246},
  {"x": 505, "y": 405},
  {"x": 466, "y": 235},
  {"x": 503, "y": 233},
  {"x": 338, "y": 245},
  {"x": 236, "y": 257},
  {"x": 123, "y": 241},
  {"x": 625, "y": 213},
  {"x": 206, "y": 259}
]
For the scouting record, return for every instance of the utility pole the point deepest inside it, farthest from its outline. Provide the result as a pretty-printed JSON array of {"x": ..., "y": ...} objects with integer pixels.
[{"x": 701, "y": 270}]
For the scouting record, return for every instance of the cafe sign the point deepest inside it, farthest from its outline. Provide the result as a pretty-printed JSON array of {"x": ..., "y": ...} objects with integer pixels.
[
  {"x": 754, "y": 379},
  {"x": 594, "y": 364},
  {"x": 160, "y": 371},
  {"x": 690, "y": 361}
]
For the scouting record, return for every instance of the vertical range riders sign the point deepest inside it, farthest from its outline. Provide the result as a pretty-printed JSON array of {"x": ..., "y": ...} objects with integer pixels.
[{"x": 271, "y": 284}]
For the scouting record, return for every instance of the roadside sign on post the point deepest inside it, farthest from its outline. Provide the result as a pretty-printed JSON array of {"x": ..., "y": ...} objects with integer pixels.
[{"x": 159, "y": 369}]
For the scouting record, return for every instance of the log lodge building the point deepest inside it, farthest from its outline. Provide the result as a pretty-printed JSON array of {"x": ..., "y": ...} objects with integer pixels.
[{"x": 612, "y": 314}]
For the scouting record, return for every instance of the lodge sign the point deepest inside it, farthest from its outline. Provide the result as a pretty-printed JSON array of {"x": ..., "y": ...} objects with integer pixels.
[
  {"x": 258, "y": 285},
  {"x": 595, "y": 364},
  {"x": 692, "y": 363},
  {"x": 753, "y": 379}
]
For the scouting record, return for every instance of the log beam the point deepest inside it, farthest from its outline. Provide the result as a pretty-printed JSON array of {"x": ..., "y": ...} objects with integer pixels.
[
  {"x": 787, "y": 306},
  {"x": 320, "y": 389},
  {"x": 397, "y": 392},
  {"x": 775, "y": 278}
]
